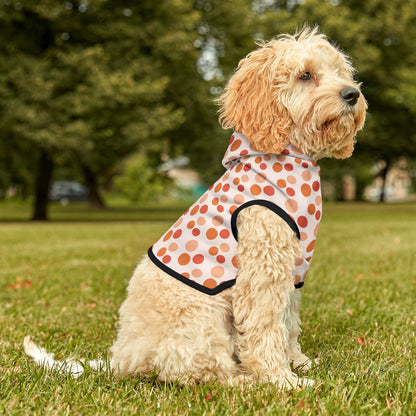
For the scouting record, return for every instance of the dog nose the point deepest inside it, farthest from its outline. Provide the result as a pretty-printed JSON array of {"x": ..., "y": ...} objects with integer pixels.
[{"x": 350, "y": 95}]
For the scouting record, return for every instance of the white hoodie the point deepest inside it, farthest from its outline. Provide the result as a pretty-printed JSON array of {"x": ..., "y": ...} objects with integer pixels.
[{"x": 200, "y": 249}]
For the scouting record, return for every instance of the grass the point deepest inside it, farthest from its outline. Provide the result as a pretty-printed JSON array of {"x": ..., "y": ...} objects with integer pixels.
[{"x": 62, "y": 282}]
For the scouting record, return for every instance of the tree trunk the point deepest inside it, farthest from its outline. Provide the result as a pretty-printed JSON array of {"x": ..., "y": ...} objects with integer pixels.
[
  {"x": 90, "y": 178},
  {"x": 42, "y": 185},
  {"x": 384, "y": 183}
]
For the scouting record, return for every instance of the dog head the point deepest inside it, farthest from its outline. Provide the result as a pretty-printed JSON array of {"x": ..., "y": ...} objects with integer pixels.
[{"x": 295, "y": 90}]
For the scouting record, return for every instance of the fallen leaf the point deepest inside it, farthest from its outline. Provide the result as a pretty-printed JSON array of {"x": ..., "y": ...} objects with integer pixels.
[
  {"x": 91, "y": 305},
  {"x": 350, "y": 312},
  {"x": 360, "y": 340},
  {"x": 359, "y": 277},
  {"x": 209, "y": 397},
  {"x": 20, "y": 285},
  {"x": 414, "y": 282}
]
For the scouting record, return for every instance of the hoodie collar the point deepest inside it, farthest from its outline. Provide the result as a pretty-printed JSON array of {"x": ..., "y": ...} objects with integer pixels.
[{"x": 239, "y": 147}]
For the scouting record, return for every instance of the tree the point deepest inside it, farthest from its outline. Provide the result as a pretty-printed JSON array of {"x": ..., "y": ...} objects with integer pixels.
[{"x": 79, "y": 82}]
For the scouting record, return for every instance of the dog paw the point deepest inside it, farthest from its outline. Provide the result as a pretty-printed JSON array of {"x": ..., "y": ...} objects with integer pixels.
[
  {"x": 304, "y": 364},
  {"x": 306, "y": 382},
  {"x": 295, "y": 382}
]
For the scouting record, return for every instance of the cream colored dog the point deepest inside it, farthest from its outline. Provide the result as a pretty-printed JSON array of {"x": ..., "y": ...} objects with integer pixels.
[{"x": 294, "y": 90}]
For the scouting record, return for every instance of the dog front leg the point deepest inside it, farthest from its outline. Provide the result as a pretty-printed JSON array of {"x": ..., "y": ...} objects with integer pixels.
[
  {"x": 292, "y": 320},
  {"x": 267, "y": 251}
]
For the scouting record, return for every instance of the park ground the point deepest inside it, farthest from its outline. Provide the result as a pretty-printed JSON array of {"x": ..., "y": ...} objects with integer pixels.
[{"x": 63, "y": 281}]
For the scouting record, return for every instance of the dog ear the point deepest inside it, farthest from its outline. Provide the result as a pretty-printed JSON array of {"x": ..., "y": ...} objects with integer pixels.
[{"x": 251, "y": 104}]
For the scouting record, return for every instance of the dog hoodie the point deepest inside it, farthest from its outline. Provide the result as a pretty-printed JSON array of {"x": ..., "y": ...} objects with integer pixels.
[{"x": 200, "y": 249}]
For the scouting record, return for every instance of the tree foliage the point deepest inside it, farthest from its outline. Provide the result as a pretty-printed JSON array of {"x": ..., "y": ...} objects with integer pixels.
[{"x": 84, "y": 84}]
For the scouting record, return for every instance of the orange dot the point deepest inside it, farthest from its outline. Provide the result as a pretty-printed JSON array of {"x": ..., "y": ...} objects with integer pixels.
[
  {"x": 234, "y": 261},
  {"x": 299, "y": 261},
  {"x": 184, "y": 259},
  {"x": 224, "y": 247},
  {"x": 318, "y": 201},
  {"x": 191, "y": 224},
  {"x": 306, "y": 175},
  {"x": 218, "y": 187},
  {"x": 311, "y": 246},
  {"x": 232, "y": 209},
  {"x": 204, "y": 198},
  {"x": 291, "y": 179},
  {"x": 217, "y": 271},
  {"x": 196, "y": 272},
  {"x": 258, "y": 159},
  {"x": 236, "y": 181},
  {"x": 191, "y": 245},
  {"x": 161, "y": 252},
  {"x": 201, "y": 221},
  {"x": 212, "y": 233},
  {"x": 306, "y": 189},
  {"x": 217, "y": 220},
  {"x": 213, "y": 251},
  {"x": 239, "y": 167},
  {"x": 198, "y": 259},
  {"x": 194, "y": 209},
  {"x": 236, "y": 144},
  {"x": 281, "y": 183},
  {"x": 277, "y": 167},
  {"x": 238, "y": 199},
  {"x": 187, "y": 275},
  {"x": 311, "y": 209},
  {"x": 255, "y": 189},
  {"x": 291, "y": 205},
  {"x": 210, "y": 283},
  {"x": 173, "y": 247},
  {"x": 215, "y": 201},
  {"x": 259, "y": 178},
  {"x": 168, "y": 235},
  {"x": 178, "y": 223},
  {"x": 303, "y": 236}
]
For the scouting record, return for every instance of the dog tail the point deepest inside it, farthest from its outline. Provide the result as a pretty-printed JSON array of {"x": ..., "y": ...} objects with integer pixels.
[{"x": 71, "y": 366}]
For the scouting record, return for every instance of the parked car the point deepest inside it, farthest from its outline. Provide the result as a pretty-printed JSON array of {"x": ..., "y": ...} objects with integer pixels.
[{"x": 68, "y": 191}]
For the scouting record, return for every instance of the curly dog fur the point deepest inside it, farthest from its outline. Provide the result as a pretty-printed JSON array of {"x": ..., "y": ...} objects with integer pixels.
[{"x": 250, "y": 331}]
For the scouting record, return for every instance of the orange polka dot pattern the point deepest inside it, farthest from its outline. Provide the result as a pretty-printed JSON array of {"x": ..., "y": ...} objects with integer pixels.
[{"x": 201, "y": 248}]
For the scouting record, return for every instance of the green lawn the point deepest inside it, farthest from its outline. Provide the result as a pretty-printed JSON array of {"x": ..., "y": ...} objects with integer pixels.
[{"x": 62, "y": 282}]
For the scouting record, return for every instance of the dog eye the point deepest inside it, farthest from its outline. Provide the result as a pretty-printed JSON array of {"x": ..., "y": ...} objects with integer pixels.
[{"x": 306, "y": 76}]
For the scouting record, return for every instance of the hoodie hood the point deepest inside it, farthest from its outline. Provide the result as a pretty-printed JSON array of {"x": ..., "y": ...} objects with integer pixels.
[{"x": 240, "y": 148}]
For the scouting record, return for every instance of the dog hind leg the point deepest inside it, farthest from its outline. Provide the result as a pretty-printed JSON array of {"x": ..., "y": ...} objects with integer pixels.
[{"x": 177, "y": 331}]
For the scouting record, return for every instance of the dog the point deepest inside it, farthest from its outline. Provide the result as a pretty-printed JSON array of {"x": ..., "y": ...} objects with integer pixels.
[{"x": 217, "y": 297}]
